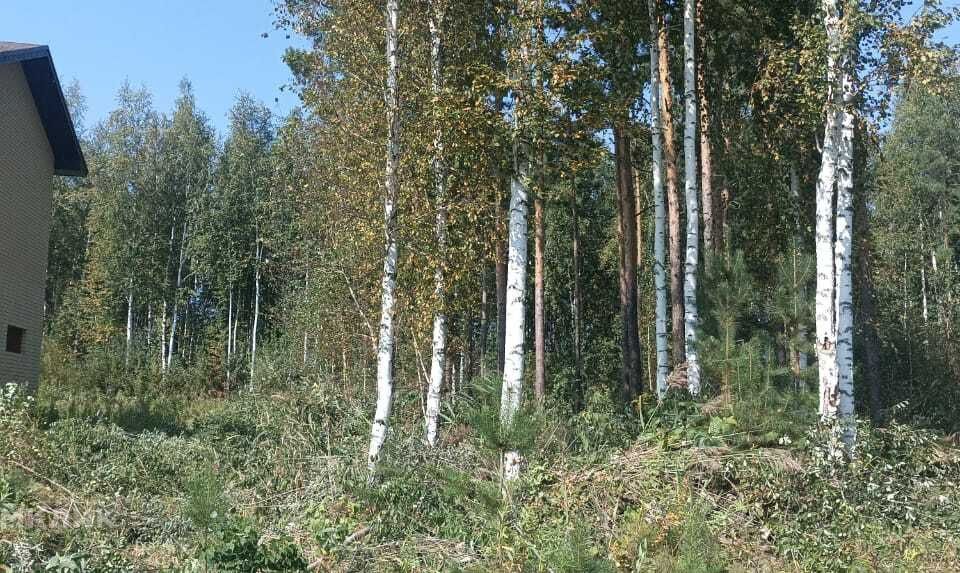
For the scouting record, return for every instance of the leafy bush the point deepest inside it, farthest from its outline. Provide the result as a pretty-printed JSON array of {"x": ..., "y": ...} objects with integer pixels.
[
  {"x": 901, "y": 480},
  {"x": 238, "y": 547}
]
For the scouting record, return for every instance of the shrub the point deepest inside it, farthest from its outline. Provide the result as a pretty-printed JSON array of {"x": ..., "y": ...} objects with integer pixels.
[{"x": 238, "y": 547}]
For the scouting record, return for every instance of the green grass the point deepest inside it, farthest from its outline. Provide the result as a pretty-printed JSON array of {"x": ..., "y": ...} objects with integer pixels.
[{"x": 277, "y": 481}]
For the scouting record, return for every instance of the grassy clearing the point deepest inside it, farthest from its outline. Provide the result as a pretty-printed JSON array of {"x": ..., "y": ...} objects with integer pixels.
[{"x": 274, "y": 482}]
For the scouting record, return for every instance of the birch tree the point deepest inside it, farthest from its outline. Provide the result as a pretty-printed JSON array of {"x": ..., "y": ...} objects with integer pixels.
[
  {"x": 660, "y": 216},
  {"x": 438, "y": 168},
  {"x": 834, "y": 227},
  {"x": 385, "y": 343},
  {"x": 517, "y": 245},
  {"x": 690, "y": 316}
]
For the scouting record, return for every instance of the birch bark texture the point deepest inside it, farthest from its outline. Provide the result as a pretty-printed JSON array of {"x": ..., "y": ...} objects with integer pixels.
[
  {"x": 516, "y": 256},
  {"x": 385, "y": 341},
  {"x": 826, "y": 181},
  {"x": 256, "y": 314},
  {"x": 438, "y": 167},
  {"x": 659, "y": 211},
  {"x": 690, "y": 315},
  {"x": 834, "y": 233},
  {"x": 843, "y": 260}
]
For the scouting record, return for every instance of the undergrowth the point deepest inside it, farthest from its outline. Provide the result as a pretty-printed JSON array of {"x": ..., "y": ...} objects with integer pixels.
[{"x": 103, "y": 479}]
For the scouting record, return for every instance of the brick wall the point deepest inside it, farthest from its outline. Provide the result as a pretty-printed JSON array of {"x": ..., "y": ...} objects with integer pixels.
[{"x": 26, "y": 178}]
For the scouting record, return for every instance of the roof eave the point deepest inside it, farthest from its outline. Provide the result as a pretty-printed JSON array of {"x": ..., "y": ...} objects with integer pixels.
[{"x": 41, "y": 74}]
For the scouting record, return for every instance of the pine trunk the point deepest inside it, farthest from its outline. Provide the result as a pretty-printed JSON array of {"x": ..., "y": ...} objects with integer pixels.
[
  {"x": 673, "y": 196},
  {"x": 539, "y": 343},
  {"x": 706, "y": 153},
  {"x": 577, "y": 300},
  {"x": 630, "y": 385},
  {"x": 484, "y": 322}
]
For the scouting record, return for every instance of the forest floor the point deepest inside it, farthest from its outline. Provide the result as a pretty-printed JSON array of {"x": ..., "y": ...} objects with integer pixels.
[{"x": 169, "y": 481}]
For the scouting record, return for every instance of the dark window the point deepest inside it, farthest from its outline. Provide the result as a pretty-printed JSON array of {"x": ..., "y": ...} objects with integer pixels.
[{"x": 15, "y": 336}]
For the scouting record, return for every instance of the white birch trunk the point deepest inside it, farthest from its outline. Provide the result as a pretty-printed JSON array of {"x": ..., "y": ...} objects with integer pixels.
[
  {"x": 236, "y": 327},
  {"x": 516, "y": 282},
  {"x": 660, "y": 213},
  {"x": 843, "y": 257},
  {"x": 826, "y": 280},
  {"x": 923, "y": 281},
  {"x": 229, "y": 368},
  {"x": 461, "y": 376},
  {"x": 690, "y": 314},
  {"x": 512, "y": 388},
  {"x": 438, "y": 362},
  {"x": 385, "y": 343},
  {"x": 163, "y": 338},
  {"x": 176, "y": 295},
  {"x": 149, "y": 340},
  {"x": 256, "y": 314},
  {"x": 126, "y": 354}
]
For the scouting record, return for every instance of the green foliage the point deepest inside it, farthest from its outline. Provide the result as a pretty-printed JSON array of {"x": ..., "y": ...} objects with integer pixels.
[
  {"x": 331, "y": 523},
  {"x": 897, "y": 486},
  {"x": 239, "y": 547},
  {"x": 601, "y": 426},
  {"x": 205, "y": 504},
  {"x": 482, "y": 413}
]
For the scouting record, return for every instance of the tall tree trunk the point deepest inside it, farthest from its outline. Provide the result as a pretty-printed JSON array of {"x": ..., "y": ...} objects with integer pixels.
[
  {"x": 501, "y": 278},
  {"x": 236, "y": 326},
  {"x": 438, "y": 167},
  {"x": 722, "y": 233},
  {"x": 517, "y": 258},
  {"x": 229, "y": 330},
  {"x": 163, "y": 338},
  {"x": 484, "y": 322},
  {"x": 630, "y": 385},
  {"x": 826, "y": 181},
  {"x": 256, "y": 314},
  {"x": 690, "y": 316},
  {"x": 129, "y": 341},
  {"x": 870, "y": 341},
  {"x": 468, "y": 354},
  {"x": 843, "y": 257},
  {"x": 176, "y": 295},
  {"x": 378, "y": 431},
  {"x": 673, "y": 195},
  {"x": 706, "y": 153},
  {"x": 577, "y": 299},
  {"x": 539, "y": 344},
  {"x": 306, "y": 293},
  {"x": 660, "y": 216}
]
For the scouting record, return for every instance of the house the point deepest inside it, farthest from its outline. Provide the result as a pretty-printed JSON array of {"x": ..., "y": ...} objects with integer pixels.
[{"x": 37, "y": 141}]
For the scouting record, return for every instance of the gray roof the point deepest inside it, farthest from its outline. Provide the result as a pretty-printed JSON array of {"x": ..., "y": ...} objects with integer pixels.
[{"x": 51, "y": 106}]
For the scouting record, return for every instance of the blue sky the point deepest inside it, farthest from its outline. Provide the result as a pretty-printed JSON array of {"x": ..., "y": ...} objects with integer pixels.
[{"x": 216, "y": 44}]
